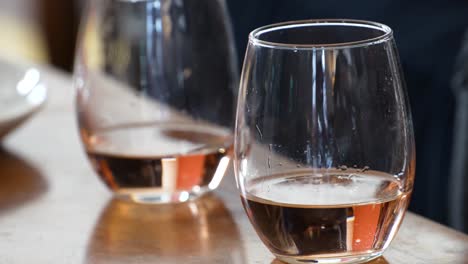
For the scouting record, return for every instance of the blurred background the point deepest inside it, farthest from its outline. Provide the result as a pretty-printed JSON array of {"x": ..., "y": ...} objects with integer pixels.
[{"x": 430, "y": 35}]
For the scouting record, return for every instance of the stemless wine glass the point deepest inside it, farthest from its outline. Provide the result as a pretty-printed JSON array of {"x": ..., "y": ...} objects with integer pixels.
[
  {"x": 324, "y": 150},
  {"x": 156, "y": 87}
]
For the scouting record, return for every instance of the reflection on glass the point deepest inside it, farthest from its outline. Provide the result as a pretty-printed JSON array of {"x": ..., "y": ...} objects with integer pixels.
[
  {"x": 22, "y": 92},
  {"x": 200, "y": 231},
  {"x": 30, "y": 80}
]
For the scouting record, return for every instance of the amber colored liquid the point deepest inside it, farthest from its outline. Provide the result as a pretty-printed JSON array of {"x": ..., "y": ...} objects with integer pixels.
[
  {"x": 325, "y": 215},
  {"x": 147, "y": 158}
]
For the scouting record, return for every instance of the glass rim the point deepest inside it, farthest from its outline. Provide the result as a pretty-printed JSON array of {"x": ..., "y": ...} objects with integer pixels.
[{"x": 387, "y": 34}]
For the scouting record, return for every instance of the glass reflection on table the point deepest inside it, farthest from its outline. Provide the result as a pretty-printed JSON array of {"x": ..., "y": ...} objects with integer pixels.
[{"x": 201, "y": 231}]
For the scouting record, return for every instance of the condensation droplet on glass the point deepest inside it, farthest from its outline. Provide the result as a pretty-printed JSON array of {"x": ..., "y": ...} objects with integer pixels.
[
  {"x": 187, "y": 72},
  {"x": 259, "y": 132}
]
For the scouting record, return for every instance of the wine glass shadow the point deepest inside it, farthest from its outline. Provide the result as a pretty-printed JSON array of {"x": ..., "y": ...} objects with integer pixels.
[
  {"x": 380, "y": 260},
  {"x": 201, "y": 231},
  {"x": 20, "y": 182}
]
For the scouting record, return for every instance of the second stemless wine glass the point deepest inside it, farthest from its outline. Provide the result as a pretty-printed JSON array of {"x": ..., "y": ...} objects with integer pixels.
[
  {"x": 156, "y": 83},
  {"x": 324, "y": 150}
]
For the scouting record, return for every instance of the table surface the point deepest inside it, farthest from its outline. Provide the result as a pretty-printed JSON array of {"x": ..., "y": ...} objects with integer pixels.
[{"x": 53, "y": 209}]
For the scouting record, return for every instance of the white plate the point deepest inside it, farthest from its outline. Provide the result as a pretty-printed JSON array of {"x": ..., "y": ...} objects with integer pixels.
[{"x": 22, "y": 92}]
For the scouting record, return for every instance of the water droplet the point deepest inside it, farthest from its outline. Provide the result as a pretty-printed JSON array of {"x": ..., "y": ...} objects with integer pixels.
[
  {"x": 259, "y": 132},
  {"x": 355, "y": 166},
  {"x": 343, "y": 167}
]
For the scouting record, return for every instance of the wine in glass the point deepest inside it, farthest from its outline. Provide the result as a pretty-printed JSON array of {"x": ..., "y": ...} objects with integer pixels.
[
  {"x": 324, "y": 149},
  {"x": 156, "y": 83}
]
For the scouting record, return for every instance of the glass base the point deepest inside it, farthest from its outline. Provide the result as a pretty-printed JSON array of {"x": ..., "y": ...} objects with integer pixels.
[
  {"x": 158, "y": 196},
  {"x": 329, "y": 258}
]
